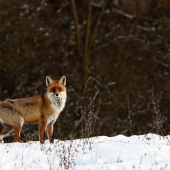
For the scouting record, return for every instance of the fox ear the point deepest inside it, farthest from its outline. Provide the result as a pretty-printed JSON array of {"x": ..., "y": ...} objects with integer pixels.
[
  {"x": 49, "y": 81},
  {"x": 63, "y": 80}
]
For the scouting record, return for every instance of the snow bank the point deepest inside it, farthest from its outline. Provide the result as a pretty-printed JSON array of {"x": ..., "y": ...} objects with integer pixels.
[{"x": 142, "y": 152}]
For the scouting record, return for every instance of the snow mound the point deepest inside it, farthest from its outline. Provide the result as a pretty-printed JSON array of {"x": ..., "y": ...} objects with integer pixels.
[{"x": 117, "y": 153}]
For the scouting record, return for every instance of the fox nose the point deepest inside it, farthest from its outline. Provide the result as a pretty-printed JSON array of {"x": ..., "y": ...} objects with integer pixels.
[{"x": 56, "y": 95}]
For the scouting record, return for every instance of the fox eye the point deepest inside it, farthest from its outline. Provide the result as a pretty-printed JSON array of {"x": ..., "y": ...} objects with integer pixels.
[
  {"x": 59, "y": 89},
  {"x": 53, "y": 90}
]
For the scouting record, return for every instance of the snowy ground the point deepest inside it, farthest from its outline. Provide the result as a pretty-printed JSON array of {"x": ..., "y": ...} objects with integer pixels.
[{"x": 119, "y": 152}]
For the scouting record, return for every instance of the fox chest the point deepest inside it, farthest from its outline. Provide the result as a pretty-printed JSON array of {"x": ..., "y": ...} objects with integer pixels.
[
  {"x": 57, "y": 107},
  {"x": 52, "y": 118}
]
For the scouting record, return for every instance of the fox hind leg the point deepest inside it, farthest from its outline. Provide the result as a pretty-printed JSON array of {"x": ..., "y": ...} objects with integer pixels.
[
  {"x": 17, "y": 130},
  {"x": 1, "y": 133},
  {"x": 17, "y": 134},
  {"x": 5, "y": 130},
  {"x": 13, "y": 117}
]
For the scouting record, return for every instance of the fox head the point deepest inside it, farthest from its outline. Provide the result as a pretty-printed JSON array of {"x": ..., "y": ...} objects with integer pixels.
[{"x": 56, "y": 88}]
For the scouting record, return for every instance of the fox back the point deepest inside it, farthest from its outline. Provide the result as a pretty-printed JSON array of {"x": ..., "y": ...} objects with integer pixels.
[{"x": 43, "y": 109}]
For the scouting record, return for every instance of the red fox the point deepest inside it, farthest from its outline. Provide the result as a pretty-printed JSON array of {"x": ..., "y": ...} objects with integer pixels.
[{"x": 43, "y": 109}]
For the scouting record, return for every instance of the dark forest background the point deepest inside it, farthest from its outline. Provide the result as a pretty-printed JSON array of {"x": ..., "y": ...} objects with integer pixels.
[{"x": 114, "y": 53}]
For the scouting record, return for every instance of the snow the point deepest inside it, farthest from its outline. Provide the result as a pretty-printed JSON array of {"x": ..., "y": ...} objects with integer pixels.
[{"x": 142, "y": 152}]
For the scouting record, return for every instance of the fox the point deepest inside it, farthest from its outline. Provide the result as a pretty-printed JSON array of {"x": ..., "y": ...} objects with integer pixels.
[{"x": 41, "y": 109}]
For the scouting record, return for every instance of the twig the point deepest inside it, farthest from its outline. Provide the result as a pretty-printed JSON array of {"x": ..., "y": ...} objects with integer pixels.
[
  {"x": 97, "y": 23},
  {"x": 131, "y": 17},
  {"x": 105, "y": 119},
  {"x": 88, "y": 108},
  {"x": 130, "y": 121},
  {"x": 86, "y": 46},
  {"x": 76, "y": 26},
  {"x": 160, "y": 62}
]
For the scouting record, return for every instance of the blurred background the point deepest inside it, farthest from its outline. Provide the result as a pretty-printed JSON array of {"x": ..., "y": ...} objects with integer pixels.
[{"x": 114, "y": 53}]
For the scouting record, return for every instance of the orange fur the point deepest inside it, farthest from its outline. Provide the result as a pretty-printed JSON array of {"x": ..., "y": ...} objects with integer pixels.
[{"x": 43, "y": 109}]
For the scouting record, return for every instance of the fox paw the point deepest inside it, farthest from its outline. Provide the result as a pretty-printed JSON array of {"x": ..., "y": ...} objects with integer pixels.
[
  {"x": 42, "y": 141},
  {"x": 52, "y": 141}
]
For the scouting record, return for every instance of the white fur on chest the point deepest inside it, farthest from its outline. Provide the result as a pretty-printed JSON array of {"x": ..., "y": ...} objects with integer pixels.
[{"x": 57, "y": 106}]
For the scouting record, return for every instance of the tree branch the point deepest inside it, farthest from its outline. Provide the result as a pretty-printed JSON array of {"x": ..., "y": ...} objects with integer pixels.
[
  {"x": 73, "y": 6},
  {"x": 139, "y": 17},
  {"x": 82, "y": 117},
  {"x": 97, "y": 23},
  {"x": 86, "y": 52}
]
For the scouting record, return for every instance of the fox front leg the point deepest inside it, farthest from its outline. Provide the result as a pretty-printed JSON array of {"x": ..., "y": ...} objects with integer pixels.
[
  {"x": 50, "y": 132},
  {"x": 42, "y": 129}
]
